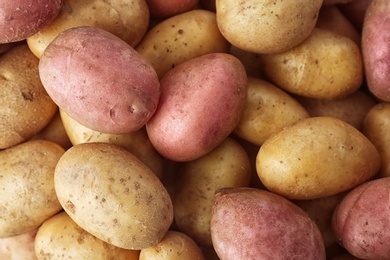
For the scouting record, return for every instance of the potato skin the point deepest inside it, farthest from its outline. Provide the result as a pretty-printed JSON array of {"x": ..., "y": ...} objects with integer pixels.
[
  {"x": 315, "y": 158},
  {"x": 162, "y": 9},
  {"x": 23, "y": 18},
  {"x": 99, "y": 80},
  {"x": 111, "y": 194},
  {"x": 265, "y": 224},
  {"x": 20, "y": 247},
  {"x": 201, "y": 103},
  {"x": 376, "y": 49},
  {"x": 361, "y": 221}
]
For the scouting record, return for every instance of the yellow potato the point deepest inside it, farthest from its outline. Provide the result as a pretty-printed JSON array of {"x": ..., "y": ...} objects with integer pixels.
[
  {"x": 266, "y": 26},
  {"x": 180, "y": 38},
  {"x": 326, "y": 65},
  {"x": 137, "y": 142},
  {"x": 25, "y": 107},
  {"x": 227, "y": 165},
  {"x": 27, "y": 190},
  {"x": 174, "y": 246},
  {"x": 61, "y": 238},
  {"x": 268, "y": 109},
  {"x": 315, "y": 158},
  {"x": 376, "y": 126},
  {"x": 128, "y": 20},
  {"x": 111, "y": 194}
]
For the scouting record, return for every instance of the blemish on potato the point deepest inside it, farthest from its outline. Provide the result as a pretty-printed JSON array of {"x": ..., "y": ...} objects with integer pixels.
[{"x": 70, "y": 206}]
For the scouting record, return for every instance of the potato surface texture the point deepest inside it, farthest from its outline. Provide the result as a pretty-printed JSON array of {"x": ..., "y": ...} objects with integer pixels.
[
  {"x": 89, "y": 69},
  {"x": 266, "y": 26},
  {"x": 27, "y": 190},
  {"x": 20, "y": 247},
  {"x": 315, "y": 158},
  {"x": 266, "y": 225},
  {"x": 111, "y": 194},
  {"x": 201, "y": 103}
]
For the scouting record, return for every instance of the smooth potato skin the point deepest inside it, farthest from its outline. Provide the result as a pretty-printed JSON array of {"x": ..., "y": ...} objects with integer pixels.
[
  {"x": 162, "y": 9},
  {"x": 362, "y": 219},
  {"x": 22, "y": 18},
  {"x": 201, "y": 103},
  {"x": 376, "y": 48},
  {"x": 99, "y": 80},
  {"x": 20, "y": 247},
  {"x": 266, "y": 225}
]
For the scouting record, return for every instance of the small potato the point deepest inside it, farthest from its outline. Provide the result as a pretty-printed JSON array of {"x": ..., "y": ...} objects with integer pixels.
[
  {"x": 376, "y": 126},
  {"x": 27, "y": 190},
  {"x": 315, "y": 158},
  {"x": 361, "y": 222},
  {"x": 60, "y": 237},
  {"x": 227, "y": 165},
  {"x": 266, "y": 26},
  {"x": 99, "y": 80},
  {"x": 174, "y": 246},
  {"x": 25, "y": 107},
  {"x": 22, "y": 18},
  {"x": 268, "y": 109},
  {"x": 20, "y": 247},
  {"x": 162, "y": 9},
  {"x": 129, "y": 20},
  {"x": 351, "y": 109},
  {"x": 326, "y": 65},
  {"x": 111, "y": 194},
  {"x": 181, "y": 38},
  {"x": 137, "y": 142},
  {"x": 249, "y": 223},
  {"x": 201, "y": 103}
]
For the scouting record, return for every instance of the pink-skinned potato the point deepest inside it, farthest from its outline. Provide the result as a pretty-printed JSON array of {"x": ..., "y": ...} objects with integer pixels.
[
  {"x": 19, "y": 19},
  {"x": 376, "y": 48},
  {"x": 201, "y": 103},
  {"x": 99, "y": 80},
  {"x": 361, "y": 221},
  {"x": 267, "y": 226}
]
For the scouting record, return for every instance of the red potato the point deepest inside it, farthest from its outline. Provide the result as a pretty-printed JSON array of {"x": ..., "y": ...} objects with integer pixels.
[
  {"x": 161, "y": 9},
  {"x": 361, "y": 222},
  {"x": 249, "y": 223},
  {"x": 99, "y": 80},
  {"x": 19, "y": 19},
  {"x": 201, "y": 102},
  {"x": 376, "y": 48}
]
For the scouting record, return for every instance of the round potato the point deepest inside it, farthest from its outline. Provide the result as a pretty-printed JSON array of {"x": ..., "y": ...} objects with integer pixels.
[
  {"x": 25, "y": 106},
  {"x": 61, "y": 238},
  {"x": 99, "y": 80},
  {"x": 268, "y": 110},
  {"x": 315, "y": 158},
  {"x": 27, "y": 190},
  {"x": 111, "y": 194},
  {"x": 266, "y": 26},
  {"x": 326, "y": 65},
  {"x": 201, "y": 102}
]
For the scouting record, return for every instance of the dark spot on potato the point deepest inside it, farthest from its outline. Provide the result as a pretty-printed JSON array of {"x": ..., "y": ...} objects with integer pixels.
[
  {"x": 180, "y": 31},
  {"x": 137, "y": 185},
  {"x": 81, "y": 239},
  {"x": 103, "y": 200},
  {"x": 28, "y": 96},
  {"x": 70, "y": 206},
  {"x": 127, "y": 190},
  {"x": 111, "y": 179}
]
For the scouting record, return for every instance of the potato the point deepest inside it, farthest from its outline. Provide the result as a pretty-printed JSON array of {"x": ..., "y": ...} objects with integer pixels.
[
  {"x": 376, "y": 126},
  {"x": 201, "y": 103},
  {"x": 325, "y": 66},
  {"x": 137, "y": 142},
  {"x": 22, "y": 18},
  {"x": 227, "y": 165},
  {"x": 111, "y": 194},
  {"x": 266, "y": 26},
  {"x": 376, "y": 48},
  {"x": 61, "y": 238},
  {"x": 161, "y": 9},
  {"x": 27, "y": 186},
  {"x": 99, "y": 80},
  {"x": 174, "y": 245},
  {"x": 180, "y": 38},
  {"x": 315, "y": 158},
  {"x": 266, "y": 225},
  {"x": 20, "y": 247},
  {"x": 352, "y": 109},
  {"x": 25, "y": 107},
  {"x": 268, "y": 109},
  {"x": 129, "y": 20},
  {"x": 361, "y": 221}
]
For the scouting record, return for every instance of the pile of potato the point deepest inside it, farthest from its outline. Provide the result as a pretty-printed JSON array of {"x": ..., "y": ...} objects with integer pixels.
[{"x": 224, "y": 129}]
